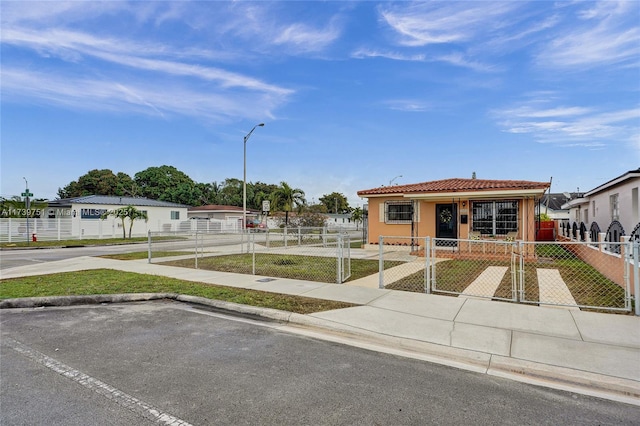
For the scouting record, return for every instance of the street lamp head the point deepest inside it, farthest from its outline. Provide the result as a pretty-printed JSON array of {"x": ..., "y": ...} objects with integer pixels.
[{"x": 261, "y": 125}]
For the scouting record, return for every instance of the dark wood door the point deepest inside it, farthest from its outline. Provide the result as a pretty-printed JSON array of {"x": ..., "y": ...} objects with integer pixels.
[{"x": 446, "y": 221}]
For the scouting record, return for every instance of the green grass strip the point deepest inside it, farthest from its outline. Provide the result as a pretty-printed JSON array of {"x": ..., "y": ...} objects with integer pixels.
[{"x": 107, "y": 281}]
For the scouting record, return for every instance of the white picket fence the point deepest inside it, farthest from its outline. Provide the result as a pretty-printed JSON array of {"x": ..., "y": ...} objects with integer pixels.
[{"x": 57, "y": 229}]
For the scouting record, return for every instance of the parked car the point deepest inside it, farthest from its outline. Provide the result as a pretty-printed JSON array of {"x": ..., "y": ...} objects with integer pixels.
[{"x": 256, "y": 224}]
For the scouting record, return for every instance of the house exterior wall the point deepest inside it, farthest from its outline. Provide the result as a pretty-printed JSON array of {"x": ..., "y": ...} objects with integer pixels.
[
  {"x": 219, "y": 215},
  {"x": 425, "y": 219},
  {"x": 595, "y": 206},
  {"x": 86, "y": 220},
  {"x": 627, "y": 206}
]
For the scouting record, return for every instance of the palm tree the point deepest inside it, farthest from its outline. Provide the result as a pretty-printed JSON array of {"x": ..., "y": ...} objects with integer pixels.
[
  {"x": 134, "y": 214},
  {"x": 286, "y": 198},
  {"x": 357, "y": 215},
  {"x": 123, "y": 213}
]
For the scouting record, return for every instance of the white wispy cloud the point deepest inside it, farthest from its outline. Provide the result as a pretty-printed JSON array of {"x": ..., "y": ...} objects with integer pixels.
[
  {"x": 122, "y": 95},
  {"x": 607, "y": 33},
  {"x": 571, "y": 125},
  {"x": 408, "y": 105},
  {"x": 126, "y": 58},
  {"x": 397, "y": 56},
  {"x": 303, "y": 37},
  {"x": 461, "y": 60},
  {"x": 73, "y": 46},
  {"x": 421, "y": 24}
]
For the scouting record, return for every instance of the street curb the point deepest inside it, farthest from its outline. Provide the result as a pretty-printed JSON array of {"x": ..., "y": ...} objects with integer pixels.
[
  {"x": 587, "y": 383},
  {"x": 36, "y": 302}
]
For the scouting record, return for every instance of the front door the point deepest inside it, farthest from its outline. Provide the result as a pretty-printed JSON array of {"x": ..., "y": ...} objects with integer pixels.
[{"x": 446, "y": 221}]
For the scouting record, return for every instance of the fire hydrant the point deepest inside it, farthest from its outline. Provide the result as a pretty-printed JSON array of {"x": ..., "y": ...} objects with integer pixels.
[{"x": 34, "y": 237}]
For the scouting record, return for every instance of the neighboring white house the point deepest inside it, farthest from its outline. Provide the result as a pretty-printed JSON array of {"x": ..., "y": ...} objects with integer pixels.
[
  {"x": 219, "y": 218},
  {"x": 612, "y": 208},
  {"x": 84, "y": 214},
  {"x": 551, "y": 204},
  {"x": 220, "y": 212}
]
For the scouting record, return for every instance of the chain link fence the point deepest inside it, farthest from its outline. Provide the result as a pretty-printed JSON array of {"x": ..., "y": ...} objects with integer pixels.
[
  {"x": 313, "y": 254},
  {"x": 568, "y": 274},
  {"x": 576, "y": 274},
  {"x": 474, "y": 268},
  {"x": 411, "y": 274}
]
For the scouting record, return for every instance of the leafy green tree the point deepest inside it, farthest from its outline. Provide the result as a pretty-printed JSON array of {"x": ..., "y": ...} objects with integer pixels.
[
  {"x": 317, "y": 208},
  {"x": 207, "y": 195},
  {"x": 259, "y": 192},
  {"x": 335, "y": 202},
  {"x": 230, "y": 193},
  {"x": 126, "y": 186},
  {"x": 94, "y": 182},
  {"x": 124, "y": 213},
  {"x": 286, "y": 198},
  {"x": 166, "y": 183}
]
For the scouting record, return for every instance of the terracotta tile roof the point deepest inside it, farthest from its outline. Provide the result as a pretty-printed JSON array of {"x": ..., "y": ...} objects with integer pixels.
[{"x": 455, "y": 185}]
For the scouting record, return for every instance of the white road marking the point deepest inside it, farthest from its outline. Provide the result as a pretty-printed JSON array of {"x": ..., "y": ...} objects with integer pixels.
[{"x": 134, "y": 404}]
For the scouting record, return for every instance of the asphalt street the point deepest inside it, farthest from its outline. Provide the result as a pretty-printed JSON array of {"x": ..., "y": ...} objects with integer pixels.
[{"x": 173, "y": 363}]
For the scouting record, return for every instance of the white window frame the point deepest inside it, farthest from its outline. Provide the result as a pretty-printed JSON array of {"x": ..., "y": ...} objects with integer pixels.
[
  {"x": 398, "y": 212},
  {"x": 614, "y": 207},
  {"x": 490, "y": 213}
]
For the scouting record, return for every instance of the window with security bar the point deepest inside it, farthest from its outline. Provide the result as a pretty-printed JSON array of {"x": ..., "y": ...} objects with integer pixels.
[
  {"x": 398, "y": 211},
  {"x": 495, "y": 217}
]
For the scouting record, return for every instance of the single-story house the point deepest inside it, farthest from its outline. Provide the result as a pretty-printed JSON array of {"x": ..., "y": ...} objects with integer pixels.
[
  {"x": 85, "y": 215},
  {"x": 220, "y": 218},
  {"x": 551, "y": 205},
  {"x": 454, "y": 209},
  {"x": 219, "y": 212},
  {"x": 612, "y": 208}
]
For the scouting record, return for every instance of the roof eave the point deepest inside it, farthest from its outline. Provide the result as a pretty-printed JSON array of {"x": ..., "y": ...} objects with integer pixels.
[
  {"x": 501, "y": 193},
  {"x": 620, "y": 179},
  {"x": 478, "y": 194}
]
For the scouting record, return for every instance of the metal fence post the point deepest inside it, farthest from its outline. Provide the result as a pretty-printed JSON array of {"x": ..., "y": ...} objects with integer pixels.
[
  {"x": 196, "y": 250},
  {"x": 427, "y": 266},
  {"x": 253, "y": 255},
  {"x": 381, "y": 262},
  {"x": 521, "y": 269},
  {"x": 338, "y": 258},
  {"x": 324, "y": 237},
  {"x": 149, "y": 246},
  {"x": 636, "y": 275}
]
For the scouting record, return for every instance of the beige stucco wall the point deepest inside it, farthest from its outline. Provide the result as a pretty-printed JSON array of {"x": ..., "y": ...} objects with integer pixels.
[{"x": 426, "y": 220}]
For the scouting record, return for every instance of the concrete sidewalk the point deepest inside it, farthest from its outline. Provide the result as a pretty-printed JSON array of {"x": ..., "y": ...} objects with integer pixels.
[{"x": 584, "y": 352}]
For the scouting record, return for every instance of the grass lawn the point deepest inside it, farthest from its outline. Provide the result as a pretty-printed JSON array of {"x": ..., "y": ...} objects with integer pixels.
[
  {"x": 588, "y": 286},
  {"x": 310, "y": 268},
  {"x": 86, "y": 242},
  {"x": 106, "y": 281}
]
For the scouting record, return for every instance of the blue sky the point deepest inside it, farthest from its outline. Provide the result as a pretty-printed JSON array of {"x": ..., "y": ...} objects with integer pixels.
[{"x": 354, "y": 95}]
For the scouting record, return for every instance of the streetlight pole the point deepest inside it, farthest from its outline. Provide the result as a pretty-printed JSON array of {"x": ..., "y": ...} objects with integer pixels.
[
  {"x": 244, "y": 180},
  {"x": 391, "y": 181}
]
